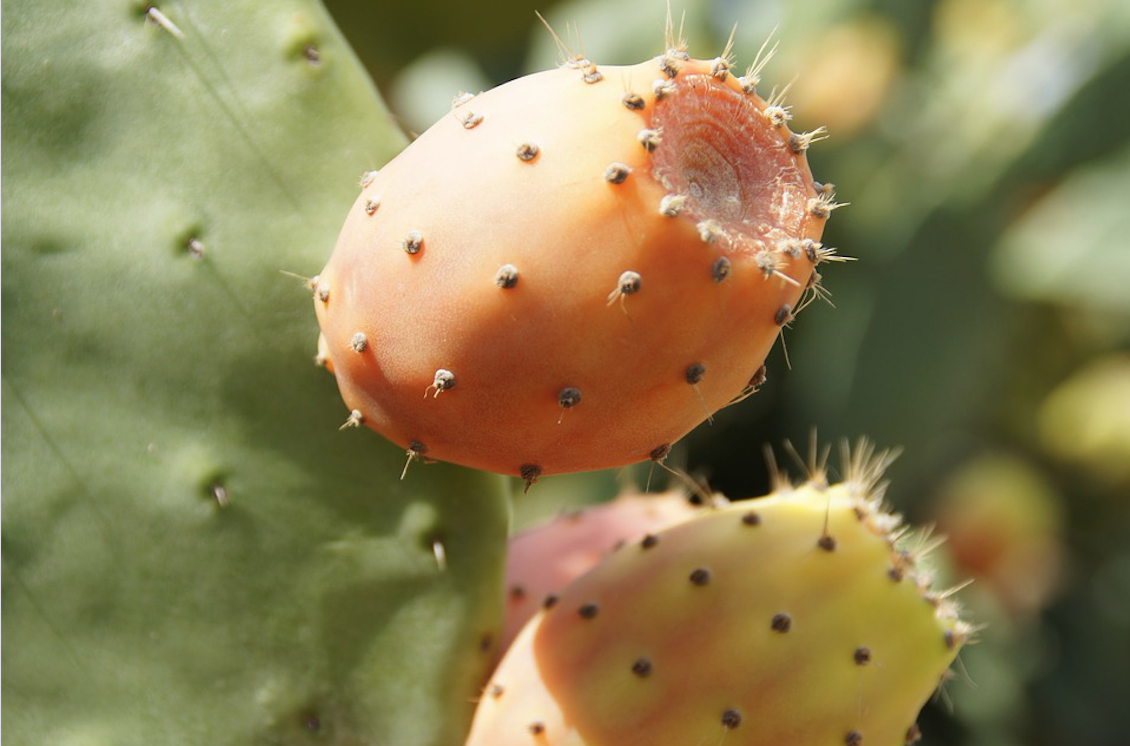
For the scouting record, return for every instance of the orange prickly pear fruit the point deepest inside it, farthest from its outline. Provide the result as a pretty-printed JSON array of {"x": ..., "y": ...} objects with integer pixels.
[
  {"x": 573, "y": 270},
  {"x": 1004, "y": 525},
  {"x": 543, "y": 559},
  {"x": 804, "y": 617}
]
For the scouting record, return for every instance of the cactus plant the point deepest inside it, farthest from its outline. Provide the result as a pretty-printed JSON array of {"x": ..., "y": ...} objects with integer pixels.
[
  {"x": 574, "y": 269},
  {"x": 803, "y": 617},
  {"x": 192, "y": 551}
]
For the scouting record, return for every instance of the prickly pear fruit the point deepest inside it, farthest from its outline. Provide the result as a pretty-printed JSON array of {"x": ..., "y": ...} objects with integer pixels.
[
  {"x": 1004, "y": 526},
  {"x": 543, "y": 559},
  {"x": 574, "y": 269},
  {"x": 799, "y": 618}
]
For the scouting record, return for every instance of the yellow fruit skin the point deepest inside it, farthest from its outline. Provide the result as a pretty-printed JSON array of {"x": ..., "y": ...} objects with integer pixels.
[
  {"x": 864, "y": 646},
  {"x": 570, "y": 233},
  {"x": 543, "y": 559}
]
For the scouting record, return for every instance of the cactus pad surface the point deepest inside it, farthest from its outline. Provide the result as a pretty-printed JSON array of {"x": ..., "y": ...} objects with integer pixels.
[{"x": 192, "y": 552}]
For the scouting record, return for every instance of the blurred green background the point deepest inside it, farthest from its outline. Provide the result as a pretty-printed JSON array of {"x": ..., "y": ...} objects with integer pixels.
[{"x": 984, "y": 146}]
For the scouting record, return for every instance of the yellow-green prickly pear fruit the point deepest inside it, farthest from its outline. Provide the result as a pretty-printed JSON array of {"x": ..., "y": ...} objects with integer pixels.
[
  {"x": 801, "y": 618},
  {"x": 543, "y": 559}
]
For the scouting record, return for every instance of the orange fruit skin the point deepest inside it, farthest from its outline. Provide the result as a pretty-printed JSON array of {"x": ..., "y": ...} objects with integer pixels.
[{"x": 571, "y": 234}]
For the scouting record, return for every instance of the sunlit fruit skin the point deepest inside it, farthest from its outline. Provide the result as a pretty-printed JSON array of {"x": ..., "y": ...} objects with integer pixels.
[
  {"x": 804, "y": 617},
  {"x": 543, "y": 559},
  {"x": 573, "y": 270}
]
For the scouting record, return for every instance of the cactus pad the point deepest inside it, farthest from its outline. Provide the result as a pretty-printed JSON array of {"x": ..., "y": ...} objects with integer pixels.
[{"x": 192, "y": 552}]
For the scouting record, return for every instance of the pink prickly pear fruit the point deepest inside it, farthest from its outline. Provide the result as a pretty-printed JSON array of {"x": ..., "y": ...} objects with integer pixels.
[
  {"x": 798, "y": 618},
  {"x": 543, "y": 559},
  {"x": 573, "y": 270}
]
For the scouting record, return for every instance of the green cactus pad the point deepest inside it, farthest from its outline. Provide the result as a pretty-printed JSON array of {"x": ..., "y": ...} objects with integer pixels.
[{"x": 192, "y": 551}]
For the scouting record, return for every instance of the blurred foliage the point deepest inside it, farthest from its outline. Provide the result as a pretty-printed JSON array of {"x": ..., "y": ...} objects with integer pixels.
[{"x": 984, "y": 146}]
